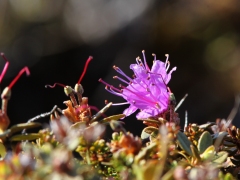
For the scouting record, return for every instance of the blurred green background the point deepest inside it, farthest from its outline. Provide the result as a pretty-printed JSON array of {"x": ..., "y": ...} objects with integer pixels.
[{"x": 55, "y": 37}]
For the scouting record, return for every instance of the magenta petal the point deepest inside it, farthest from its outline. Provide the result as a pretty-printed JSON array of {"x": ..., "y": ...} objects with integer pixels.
[
  {"x": 139, "y": 71},
  {"x": 159, "y": 68},
  {"x": 169, "y": 75},
  {"x": 144, "y": 114},
  {"x": 131, "y": 109}
]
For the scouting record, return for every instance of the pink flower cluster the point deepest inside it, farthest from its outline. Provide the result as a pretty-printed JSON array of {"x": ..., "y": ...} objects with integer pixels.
[{"x": 147, "y": 91}]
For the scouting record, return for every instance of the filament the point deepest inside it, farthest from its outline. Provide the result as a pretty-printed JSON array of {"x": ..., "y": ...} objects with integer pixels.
[
  {"x": 108, "y": 85},
  {"x": 121, "y": 72},
  {"x": 145, "y": 62},
  {"x": 116, "y": 77}
]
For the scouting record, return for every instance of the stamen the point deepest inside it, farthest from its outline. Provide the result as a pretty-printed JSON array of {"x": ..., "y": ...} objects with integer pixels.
[
  {"x": 155, "y": 57},
  {"x": 85, "y": 68},
  {"x": 25, "y": 69},
  {"x": 167, "y": 55},
  {"x": 111, "y": 86},
  {"x": 5, "y": 67},
  {"x": 137, "y": 60},
  {"x": 121, "y": 72},
  {"x": 141, "y": 97},
  {"x": 54, "y": 85},
  {"x": 169, "y": 89},
  {"x": 140, "y": 63},
  {"x": 145, "y": 62},
  {"x": 168, "y": 65},
  {"x": 113, "y": 92},
  {"x": 116, "y": 77}
]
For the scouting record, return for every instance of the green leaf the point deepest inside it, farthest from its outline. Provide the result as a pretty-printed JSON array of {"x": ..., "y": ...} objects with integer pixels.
[
  {"x": 208, "y": 153},
  {"x": 219, "y": 139},
  {"x": 146, "y": 132},
  {"x": 204, "y": 141},
  {"x": 20, "y": 127},
  {"x": 153, "y": 135},
  {"x": 195, "y": 152},
  {"x": 79, "y": 125},
  {"x": 150, "y": 170},
  {"x": 184, "y": 143},
  {"x": 220, "y": 157},
  {"x": 24, "y": 137},
  {"x": 150, "y": 120},
  {"x": 144, "y": 135},
  {"x": 205, "y": 126},
  {"x": 115, "y": 117},
  {"x": 5, "y": 133},
  {"x": 228, "y": 176}
]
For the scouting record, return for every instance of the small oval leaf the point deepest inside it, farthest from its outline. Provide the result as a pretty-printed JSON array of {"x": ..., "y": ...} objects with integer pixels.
[
  {"x": 24, "y": 137},
  {"x": 220, "y": 157},
  {"x": 219, "y": 139},
  {"x": 20, "y": 127},
  {"x": 115, "y": 117},
  {"x": 184, "y": 142},
  {"x": 147, "y": 131},
  {"x": 204, "y": 141}
]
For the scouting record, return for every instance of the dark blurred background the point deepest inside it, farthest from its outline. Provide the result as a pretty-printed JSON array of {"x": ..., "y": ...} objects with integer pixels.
[{"x": 54, "y": 39}]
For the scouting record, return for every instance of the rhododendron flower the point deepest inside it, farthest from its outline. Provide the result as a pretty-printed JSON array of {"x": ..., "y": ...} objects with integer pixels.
[{"x": 147, "y": 91}]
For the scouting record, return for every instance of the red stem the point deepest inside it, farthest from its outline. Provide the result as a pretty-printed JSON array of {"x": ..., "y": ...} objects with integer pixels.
[
  {"x": 54, "y": 85},
  {"x": 5, "y": 67},
  {"x": 85, "y": 68},
  {"x": 25, "y": 69}
]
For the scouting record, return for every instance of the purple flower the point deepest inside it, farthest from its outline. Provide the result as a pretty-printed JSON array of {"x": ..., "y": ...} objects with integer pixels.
[{"x": 147, "y": 91}]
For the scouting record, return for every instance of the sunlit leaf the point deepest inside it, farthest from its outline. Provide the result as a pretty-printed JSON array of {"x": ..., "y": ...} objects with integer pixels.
[
  {"x": 204, "y": 141},
  {"x": 24, "y": 137},
  {"x": 184, "y": 143},
  {"x": 20, "y": 127}
]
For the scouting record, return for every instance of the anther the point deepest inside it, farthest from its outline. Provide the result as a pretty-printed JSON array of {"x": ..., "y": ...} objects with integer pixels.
[{"x": 115, "y": 67}]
